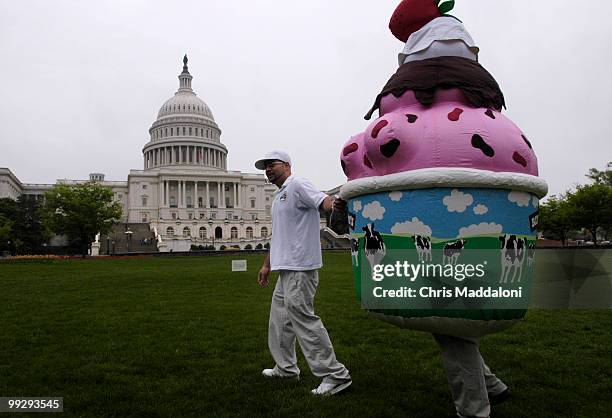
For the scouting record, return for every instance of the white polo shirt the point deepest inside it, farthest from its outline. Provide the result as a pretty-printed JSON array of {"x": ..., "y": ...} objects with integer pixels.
[{"x": 296, "y": 243}]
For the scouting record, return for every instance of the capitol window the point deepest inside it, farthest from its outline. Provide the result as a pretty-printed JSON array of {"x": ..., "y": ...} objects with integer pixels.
[
  {"x": 170, "y": 231},
  {"x": 234, "y": 232},
  {"x": 186, "y": 232},
  {"x": 172, "y": 131},
  {"x": 264, "y": 232},
  {"x": 190, "y": 132},
  {"x": 144, "y": 201},
  {"x": 249, "y": 232},
  {"x": 202, "y": 232},
  {"x": 184, "y": 131}
]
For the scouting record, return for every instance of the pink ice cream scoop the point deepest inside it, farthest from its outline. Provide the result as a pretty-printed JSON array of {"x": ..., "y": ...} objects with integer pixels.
[
  {"x": 450, "y": 133},
  {"x": 354, "y": 160}
]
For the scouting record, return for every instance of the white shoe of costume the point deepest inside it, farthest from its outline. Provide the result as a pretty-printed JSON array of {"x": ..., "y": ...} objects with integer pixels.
[
  {"x": 328, "y": 389},
  {"x": 275, "y": 373}
]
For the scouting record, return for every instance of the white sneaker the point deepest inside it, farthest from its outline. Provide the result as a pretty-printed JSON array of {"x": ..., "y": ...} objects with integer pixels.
[
  {"x": 328, "y": 389},
  {"x": 275, "y": 373}
]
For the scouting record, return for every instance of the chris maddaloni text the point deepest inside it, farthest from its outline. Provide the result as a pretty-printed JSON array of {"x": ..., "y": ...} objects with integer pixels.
[{"x": 444, "y": 292}]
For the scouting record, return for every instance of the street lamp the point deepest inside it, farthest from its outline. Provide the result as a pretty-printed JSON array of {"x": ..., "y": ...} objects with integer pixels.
[{"x": 128, "y": 238}]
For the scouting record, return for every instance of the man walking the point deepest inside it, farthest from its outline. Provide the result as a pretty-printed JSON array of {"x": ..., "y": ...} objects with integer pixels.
[{"x": 295, "y": 252}]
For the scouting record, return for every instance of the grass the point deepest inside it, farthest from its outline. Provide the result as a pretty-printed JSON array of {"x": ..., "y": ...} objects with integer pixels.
[{"x": 185, "y": 336}]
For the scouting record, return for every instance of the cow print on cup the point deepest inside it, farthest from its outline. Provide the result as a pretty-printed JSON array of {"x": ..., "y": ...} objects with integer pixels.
[{"x": 373, "y": 245}]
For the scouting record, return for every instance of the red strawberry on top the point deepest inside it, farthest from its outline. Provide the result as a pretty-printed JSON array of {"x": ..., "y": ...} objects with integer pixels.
[{"x": 412, "y": 15}]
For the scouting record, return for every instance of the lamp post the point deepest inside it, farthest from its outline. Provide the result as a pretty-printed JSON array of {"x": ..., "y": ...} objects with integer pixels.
[
  {"x": 128, "y": 238},
  {"x": 212, "y": 232}
]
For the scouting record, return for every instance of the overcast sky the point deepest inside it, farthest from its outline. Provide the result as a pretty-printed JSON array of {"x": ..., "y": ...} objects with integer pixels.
[{"x": 82, "y": 81}]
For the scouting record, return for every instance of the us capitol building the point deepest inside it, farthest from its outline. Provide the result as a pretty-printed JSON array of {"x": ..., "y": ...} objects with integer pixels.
[{"x": 184, "y": 194}]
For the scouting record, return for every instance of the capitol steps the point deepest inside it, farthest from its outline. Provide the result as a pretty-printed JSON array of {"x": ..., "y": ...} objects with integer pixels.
[{"x": 142, "y": 239}]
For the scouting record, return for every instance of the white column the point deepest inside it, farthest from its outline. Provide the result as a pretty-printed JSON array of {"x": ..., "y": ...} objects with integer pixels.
[
  {"x": 184, "y": 193},
  {"x": 207, "y": 203},
  {"x": 160, "y": 194},
  {"x": 195, "y": 194},
  {"x": 239, "y": 195},
  {"x": 223, "y": 194},
  {"x": 234, "y": 196},
  {"x": 166, "y": 197},
  {"x": 218, "y": 194}
]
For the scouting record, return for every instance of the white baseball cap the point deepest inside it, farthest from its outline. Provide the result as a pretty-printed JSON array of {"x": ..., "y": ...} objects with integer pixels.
[{"x": 273, "y": 156}]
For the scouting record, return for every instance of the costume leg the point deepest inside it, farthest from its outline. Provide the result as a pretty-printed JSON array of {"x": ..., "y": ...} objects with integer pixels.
[
  {"x": 281, "y": 336},
  {"x": 465, "y": 373},
  {"x": 300, "y": 288},
  {"x": 494, "y": 385}
]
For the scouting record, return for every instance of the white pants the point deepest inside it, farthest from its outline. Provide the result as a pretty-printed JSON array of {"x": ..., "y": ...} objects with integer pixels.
[
  {"x": 470, "y": 380},
  {"x": 292, "y": 315}
]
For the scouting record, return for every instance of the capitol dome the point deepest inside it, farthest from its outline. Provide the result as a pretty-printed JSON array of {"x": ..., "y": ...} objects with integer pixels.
[
  {"x": 185, "y": 133},
  {"x": 185, "y": 103}
]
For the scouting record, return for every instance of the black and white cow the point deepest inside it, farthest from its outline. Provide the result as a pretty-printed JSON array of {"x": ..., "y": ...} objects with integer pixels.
[
  {"x": 530, "y": 253},
  {"x": 452, "y": 251},
  {"x": 355, "y": 251},
  {"x": 512, "y": 257},
  {"x": 373, "y": 245},
  {"x": 423, "y": 247}
]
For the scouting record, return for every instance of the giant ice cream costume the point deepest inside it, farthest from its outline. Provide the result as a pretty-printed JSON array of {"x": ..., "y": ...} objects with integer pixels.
[{"x": 440, "y": 162}]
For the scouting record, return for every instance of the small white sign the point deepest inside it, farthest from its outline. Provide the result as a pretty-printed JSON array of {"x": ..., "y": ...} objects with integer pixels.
[{"x": 239, "y": 265}]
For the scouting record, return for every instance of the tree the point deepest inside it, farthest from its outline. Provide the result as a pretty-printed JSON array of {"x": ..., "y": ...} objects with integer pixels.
[
  {"x": 28, "y": 225},
  {"x": 5, "y": 232},
  {"x": 8, "y": 212},
  {"x": 592, "y": 207},
  {"x": 601, "y": 177},
  {"x": 556, "y": 216},
  {"x": 81, "y": 211}
]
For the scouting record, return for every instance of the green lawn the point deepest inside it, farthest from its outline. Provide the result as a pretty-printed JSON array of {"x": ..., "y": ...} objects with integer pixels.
[{"x": 185, "y": 336}]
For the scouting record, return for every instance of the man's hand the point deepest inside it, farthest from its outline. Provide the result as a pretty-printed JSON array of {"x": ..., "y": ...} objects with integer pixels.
[
  {"x": 262, "y": 277},
  {"x": 340, "y": 205}
]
